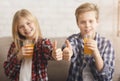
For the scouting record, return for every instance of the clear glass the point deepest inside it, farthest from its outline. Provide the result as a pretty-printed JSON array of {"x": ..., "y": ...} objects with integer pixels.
[
  {"x": 87, "y": 51},
  {"x": 29, "y": 45}
]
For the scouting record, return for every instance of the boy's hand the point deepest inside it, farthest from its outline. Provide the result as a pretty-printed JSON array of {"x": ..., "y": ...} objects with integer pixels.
[
  {"x": 67, "y": 51},
  {"x": 56, "y": 53}
]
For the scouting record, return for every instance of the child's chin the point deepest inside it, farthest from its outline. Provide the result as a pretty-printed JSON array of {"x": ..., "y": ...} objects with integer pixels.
[{"x": 30, "y": 36}]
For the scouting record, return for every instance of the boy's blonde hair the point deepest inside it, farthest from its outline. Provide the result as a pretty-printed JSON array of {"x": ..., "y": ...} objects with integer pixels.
[
  {"x": 17, "y": 37},
  {"x": 85, "y": 8}
]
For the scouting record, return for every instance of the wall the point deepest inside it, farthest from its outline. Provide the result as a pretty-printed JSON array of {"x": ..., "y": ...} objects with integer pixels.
[{"x": 56, "y": 17}]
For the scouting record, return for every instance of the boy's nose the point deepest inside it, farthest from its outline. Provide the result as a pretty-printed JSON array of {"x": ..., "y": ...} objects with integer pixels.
[{"x": 87, "y": 24}]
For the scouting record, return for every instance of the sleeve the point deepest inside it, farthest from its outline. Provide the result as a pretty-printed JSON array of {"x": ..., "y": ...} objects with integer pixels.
[
  {"x": 64, "y": 45},
  {"x": 47, "y": 49},
  {"x": 12, "y": 65},
  {"x": 109, "y": 62}
]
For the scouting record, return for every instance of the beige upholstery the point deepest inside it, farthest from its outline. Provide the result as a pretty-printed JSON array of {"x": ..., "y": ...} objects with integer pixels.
[{"x": 57, "y": 71}]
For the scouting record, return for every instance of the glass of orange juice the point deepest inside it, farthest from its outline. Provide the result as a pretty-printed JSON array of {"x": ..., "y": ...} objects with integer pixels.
[
  {"x": 87, "y": 51},
  {"x": 29, "y": 46}
]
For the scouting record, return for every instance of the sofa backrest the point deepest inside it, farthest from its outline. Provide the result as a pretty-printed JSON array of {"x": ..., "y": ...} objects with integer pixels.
[{"x": 4, "y": 46}]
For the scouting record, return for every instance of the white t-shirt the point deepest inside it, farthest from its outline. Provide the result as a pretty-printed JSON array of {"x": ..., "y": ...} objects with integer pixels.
[
  {"x": 26, "y": 70},
  {"x": 87, "y": 75}
]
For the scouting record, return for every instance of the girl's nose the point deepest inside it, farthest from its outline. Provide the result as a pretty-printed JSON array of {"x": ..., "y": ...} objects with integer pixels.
[{"x": 26, "y": 27}]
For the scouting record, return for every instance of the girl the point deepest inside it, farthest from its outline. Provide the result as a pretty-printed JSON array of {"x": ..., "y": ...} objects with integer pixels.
[{"x": 18, "y": 66}]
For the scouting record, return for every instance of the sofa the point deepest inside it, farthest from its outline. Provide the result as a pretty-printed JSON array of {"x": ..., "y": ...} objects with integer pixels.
[{"x": 57, "y": 70}]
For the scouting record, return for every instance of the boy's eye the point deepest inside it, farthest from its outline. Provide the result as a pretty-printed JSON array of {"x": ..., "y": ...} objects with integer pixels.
[
  {"x": 91, "y": 21},
  {"x": 28, "y": 23}
]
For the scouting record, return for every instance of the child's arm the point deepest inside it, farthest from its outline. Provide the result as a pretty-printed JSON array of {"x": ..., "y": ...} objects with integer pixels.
[
  {"x": 108, "y": 57},
  {"x": 47, "y": 49},
  {"x": 12, "y": 65}
]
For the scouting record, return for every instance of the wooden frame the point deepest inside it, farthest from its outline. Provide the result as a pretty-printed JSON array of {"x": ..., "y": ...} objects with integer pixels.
[{"x": 118, "y": 24}]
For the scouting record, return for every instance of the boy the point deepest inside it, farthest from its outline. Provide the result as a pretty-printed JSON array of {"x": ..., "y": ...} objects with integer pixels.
[{"x": 98, "y": 66}]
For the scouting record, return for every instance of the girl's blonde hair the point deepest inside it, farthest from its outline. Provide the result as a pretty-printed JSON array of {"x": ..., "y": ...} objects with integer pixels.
[
  {"x": 17, "y": 37},
  {"x": 85, "y": 8}
]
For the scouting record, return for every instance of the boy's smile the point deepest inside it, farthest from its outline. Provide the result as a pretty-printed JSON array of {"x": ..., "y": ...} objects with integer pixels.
[{"x": 87, "y": 23}]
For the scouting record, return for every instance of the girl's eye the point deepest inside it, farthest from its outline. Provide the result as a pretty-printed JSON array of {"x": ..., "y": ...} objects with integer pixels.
[
  {"x": 82, "y": 22},
  {"x": 20, "y": 27}
]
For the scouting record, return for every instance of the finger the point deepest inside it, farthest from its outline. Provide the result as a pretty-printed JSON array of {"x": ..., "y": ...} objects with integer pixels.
[
  {"x": 55, "y": 45},
  {"x": 58, "y": 57},
  {"x": 23, "y": 50},
  {"x": 58, "y": 50},
  {"x": 66, "y": 58},
  {"x": 68, "y": 44}
]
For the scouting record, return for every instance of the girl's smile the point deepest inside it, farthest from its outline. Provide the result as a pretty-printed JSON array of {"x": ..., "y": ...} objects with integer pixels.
[
  {"x": 28, "y": 32},
  {"x": 26, "y": 28}
]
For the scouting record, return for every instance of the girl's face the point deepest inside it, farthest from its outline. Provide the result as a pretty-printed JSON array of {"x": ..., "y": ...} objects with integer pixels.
[
  {"x": 26, "y": 28},
  {"x": 87, "y": 23}
]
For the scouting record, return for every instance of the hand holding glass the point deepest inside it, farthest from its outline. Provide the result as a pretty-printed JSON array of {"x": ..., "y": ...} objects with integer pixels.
[
  {"x": 86, "y": 49},
  {"x": 29, "y": 46}
]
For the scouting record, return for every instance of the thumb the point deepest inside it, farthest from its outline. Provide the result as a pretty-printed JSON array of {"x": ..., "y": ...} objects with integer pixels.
[
  {"x": 68, "y": 44},
  {"x": 55, "y": 45}
]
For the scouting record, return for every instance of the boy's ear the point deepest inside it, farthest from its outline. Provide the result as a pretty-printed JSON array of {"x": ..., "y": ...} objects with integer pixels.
[
  {"x": 77, "y": 22},
  {"x": 97, "y": 20}
]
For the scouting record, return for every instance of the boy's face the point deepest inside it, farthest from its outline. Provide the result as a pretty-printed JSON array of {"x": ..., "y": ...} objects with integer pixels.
[{"x": 87, "y": 23}]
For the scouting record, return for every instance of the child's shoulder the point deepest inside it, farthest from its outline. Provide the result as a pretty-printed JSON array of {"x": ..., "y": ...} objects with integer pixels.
[
  {"x": 74, "y": 36},
  {"x": 102, "y": 38},
  {"x": 12, "y": 44},
  {"x": 44, "y": 41}
]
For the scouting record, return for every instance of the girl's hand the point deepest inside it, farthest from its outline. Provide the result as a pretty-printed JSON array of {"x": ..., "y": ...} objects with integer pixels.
[
  {"x": 27, "y": 51},
  {"x": 56, "y": 53},
  {"x": 19, "y": 55}
]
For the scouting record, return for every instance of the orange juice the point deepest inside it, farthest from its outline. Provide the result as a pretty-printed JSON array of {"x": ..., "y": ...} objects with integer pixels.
[
  {"x": 29, "y": 48},
  {"x": 86, "y": 49}
]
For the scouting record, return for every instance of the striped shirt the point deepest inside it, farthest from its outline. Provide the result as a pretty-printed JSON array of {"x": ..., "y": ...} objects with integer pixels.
[{"x": 79, "y": 61}]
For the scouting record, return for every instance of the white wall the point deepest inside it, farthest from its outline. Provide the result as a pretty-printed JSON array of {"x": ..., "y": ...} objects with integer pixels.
[{"x": 56, "y": 17}]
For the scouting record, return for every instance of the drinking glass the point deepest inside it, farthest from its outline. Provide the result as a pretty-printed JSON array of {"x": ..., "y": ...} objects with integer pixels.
[
  {"x": 87, "y": 51},
  {"x": 29, "y": 46}
]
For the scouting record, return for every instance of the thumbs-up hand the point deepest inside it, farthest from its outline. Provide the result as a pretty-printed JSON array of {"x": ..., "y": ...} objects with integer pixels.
[
  {"x": 57, "y": 52},
  {"x": 67, "y": 51}
]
